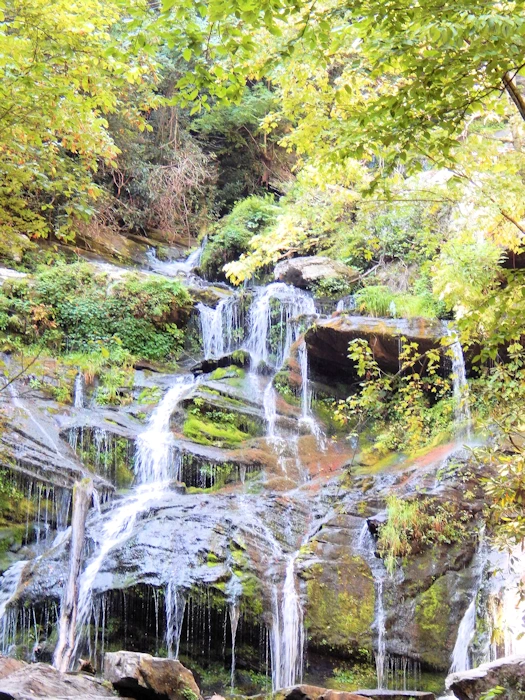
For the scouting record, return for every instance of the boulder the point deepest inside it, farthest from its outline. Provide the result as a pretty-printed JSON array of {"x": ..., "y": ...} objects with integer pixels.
[
  {"x": 507, "y": 673},
  {"x": 327, "y": 342},
  {"x": 306, "y": 272},
  {"x": 43, "y": 681},
  {"x": 9, "y": 665},
  {"x": 145, "y": 676}
]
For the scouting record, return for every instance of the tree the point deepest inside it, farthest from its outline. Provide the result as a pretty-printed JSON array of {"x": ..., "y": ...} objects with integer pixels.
[{"x": 64, "y": 67}]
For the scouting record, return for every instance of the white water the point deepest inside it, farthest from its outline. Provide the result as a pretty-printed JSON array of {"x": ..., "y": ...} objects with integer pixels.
[
  {"x": 155, "y": 466},
  {"x": 9, "y": 584},
  {"x": 171, "y": 269},
  {"x": 78, "y": 392},
  {"x": 271, "y": 322},
  {"x": 156, "y": 446},
  {"x": 221, "y": 327},
  {"x": 234, "y": 593},
  {"x": 175, "y": 605},
  {"x": 460, "y": 387},
  {"x": 306, "y": 399},
  {"x": 461, "y": 657},
  {"x": 366, "y": 547},
  {"x": 287, "y": 633}
]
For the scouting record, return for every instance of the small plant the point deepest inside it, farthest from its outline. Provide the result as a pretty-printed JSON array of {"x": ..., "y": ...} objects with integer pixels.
[{"x": 413, "y": 525}]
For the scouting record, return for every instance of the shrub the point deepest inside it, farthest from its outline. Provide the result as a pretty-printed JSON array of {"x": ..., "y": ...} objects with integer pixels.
[
  {"x": 233, "y": 233},
  {"x": 71, "y": 308}
]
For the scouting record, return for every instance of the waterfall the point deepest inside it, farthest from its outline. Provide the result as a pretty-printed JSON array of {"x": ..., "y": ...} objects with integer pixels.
[
  {"x": 156, "y": 446},
  {"x": 366, "y": 547},
  {"x": 460, "y": 387},
  {"x": 233, "y": 593},
  {"x": 173, "y": 268},
  {"x": 306, "y": 399},
  {"x": 175, "y": 605},
  {"x": 461, "y": 658},
  {"x": 78, "y": 392},
  {"x": 287, "y": 633},
  {"x": 9, "y": 583},
  {"x": 346, "y": 304},
  {"x": 271, "y": 327},
  {"x": 221, "y": 327},
  {"x": 154, "y": 468}
]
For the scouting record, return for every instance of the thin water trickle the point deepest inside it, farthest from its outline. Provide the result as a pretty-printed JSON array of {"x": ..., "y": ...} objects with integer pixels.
[
  {"x": 287, "y": 634},
  {"x": 460, "y": 387},
  {"x": 78, "y": 392},
  {"x": 366, "y": 547}
]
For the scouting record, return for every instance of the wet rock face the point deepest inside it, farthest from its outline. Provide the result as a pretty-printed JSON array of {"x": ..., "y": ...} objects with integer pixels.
[
  {"x": 507, "y": 673},
  {"x": 340, "y": 591},
  {"x": 327, "y": 342},
  {"x": 307, "y": 271},
  {"x": 149, "y": 677},
  {"x": 24, "y": 681}
]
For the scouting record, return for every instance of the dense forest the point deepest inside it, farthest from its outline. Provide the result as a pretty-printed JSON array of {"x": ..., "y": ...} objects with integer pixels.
[{"x": 261, "y": 324}]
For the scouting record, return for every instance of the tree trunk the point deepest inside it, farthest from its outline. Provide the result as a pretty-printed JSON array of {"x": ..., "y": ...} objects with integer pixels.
[
  {"x": 514, "y": 93},
  {"x": 82, "y": 495}
]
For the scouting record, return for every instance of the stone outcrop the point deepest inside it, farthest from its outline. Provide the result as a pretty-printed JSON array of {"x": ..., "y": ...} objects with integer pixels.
[
  {"x": 306, "y": 272},
  {"x": 145, "y": 676},
  {"x": 20, "y": 681},
  {"x": 507, "y": 673},
  {"x": 327, "y": 342}
]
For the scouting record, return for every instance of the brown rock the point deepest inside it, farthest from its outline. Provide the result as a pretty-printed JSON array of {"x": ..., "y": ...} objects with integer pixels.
[
  {"x": 507, "y": 673},
  {"x": 146, "y": 676},
  {"x": 43, "y": 681},
  {"x": 8, "y": 666},
  {"x": 327, "y": 342}
]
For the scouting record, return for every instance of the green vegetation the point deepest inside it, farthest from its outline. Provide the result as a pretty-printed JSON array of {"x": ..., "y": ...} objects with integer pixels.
[
  {"x": 71, "y": 308},
  {"x": 232, "y": 235},
  {"x": 416, "y": 524}
]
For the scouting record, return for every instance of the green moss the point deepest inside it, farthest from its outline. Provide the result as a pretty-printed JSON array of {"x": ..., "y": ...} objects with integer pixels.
[
  {"x": 205, "y": 432},
  {"x": 432, "y": 616},
  {"x": 340, "y": 608},
  {"x": 227, "y": 372}
]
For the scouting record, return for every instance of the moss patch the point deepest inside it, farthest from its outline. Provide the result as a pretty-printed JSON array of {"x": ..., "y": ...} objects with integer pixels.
[{"x": 340, "y": 607}]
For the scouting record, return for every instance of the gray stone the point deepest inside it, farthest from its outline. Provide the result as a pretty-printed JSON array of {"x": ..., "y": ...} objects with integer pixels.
[
  {"x": 306, "y": 272},
  {"x": 507, "y": 673},
  {"x": 146, "y": 676},
  {"x": 43, "y": 681}
]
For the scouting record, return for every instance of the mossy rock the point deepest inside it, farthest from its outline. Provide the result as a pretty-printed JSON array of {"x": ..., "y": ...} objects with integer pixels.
[
  {"x": 435, "y": 624},
  {"x": 340, "y": 606}
]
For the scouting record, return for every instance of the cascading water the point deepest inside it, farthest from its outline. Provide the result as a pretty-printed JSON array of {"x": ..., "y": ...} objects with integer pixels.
[
  {"x": 155, "y": 466},
  {"x": 175, "y": 605},
  {"x": 173, "y": 268},
  {"x": 366, "y": 547},
  {"x": 287, "y": 635},
  {"x": 461, "y": 657},
  {"x": 271, "y": 322},
  {"x": 78, "y": 392},
  {"x": 221, "y": 327},
  {"x": 460, "y": 386},
  {"x": 9, "y": 583}
]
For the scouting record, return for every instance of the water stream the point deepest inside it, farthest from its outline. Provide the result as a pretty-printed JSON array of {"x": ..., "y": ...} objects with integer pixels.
[{"x": 154, "y": 467}]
